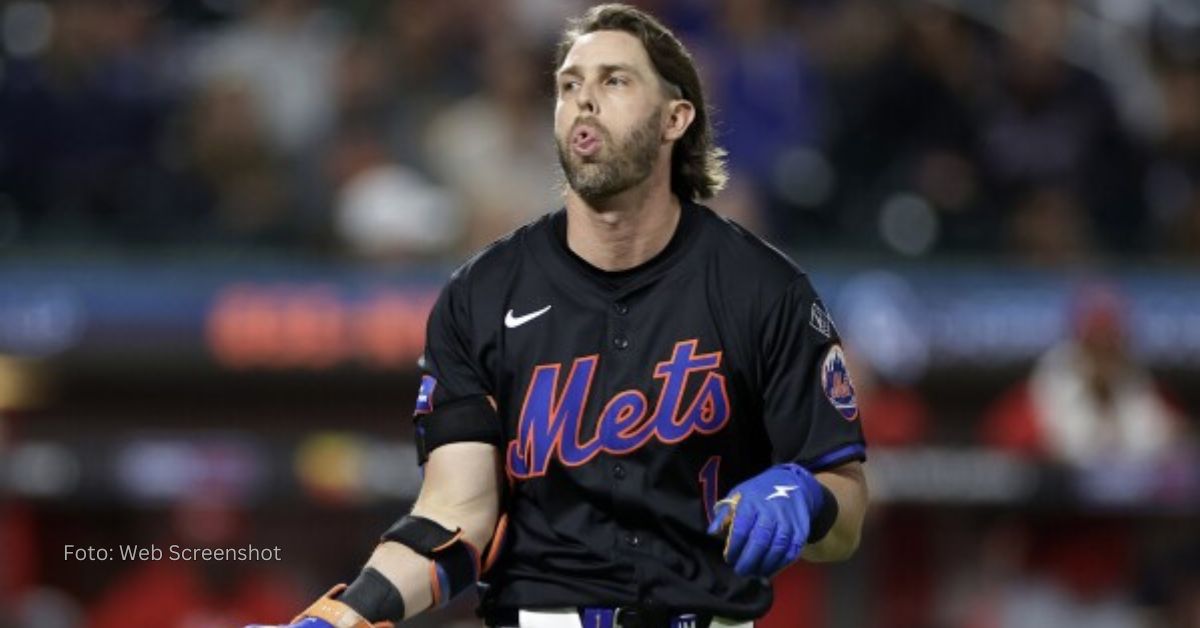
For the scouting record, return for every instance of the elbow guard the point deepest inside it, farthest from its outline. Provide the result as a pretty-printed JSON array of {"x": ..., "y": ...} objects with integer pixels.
[{"x": 454, "y": 562}]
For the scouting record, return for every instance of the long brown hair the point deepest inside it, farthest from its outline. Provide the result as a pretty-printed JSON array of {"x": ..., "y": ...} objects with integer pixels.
[{"x": 697, "y": 163}]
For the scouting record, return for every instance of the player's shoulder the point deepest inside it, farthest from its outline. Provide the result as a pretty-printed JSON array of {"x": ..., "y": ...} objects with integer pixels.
[
  {"x": 494, "y": 264},
  {"x": 739, "y": 254}
]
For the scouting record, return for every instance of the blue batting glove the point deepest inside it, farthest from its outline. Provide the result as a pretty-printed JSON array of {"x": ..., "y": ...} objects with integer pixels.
[
  {"x": 307, "y": 622},
  {"x": 328, "y": 612},
  {"x": 769, "y": 517}
]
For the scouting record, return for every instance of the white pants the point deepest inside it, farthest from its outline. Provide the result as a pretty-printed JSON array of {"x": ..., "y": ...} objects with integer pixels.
[{"x": 569, "y": 618}]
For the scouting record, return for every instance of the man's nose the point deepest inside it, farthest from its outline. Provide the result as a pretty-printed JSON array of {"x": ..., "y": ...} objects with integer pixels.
[{"x": 585, "y": 100}]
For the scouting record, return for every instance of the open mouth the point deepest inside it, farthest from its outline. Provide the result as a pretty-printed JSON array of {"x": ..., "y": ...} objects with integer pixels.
[{"x": 585, "y": 140}]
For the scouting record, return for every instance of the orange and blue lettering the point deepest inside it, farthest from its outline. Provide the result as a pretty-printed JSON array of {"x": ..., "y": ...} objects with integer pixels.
[{"x": 551, "y": 418}]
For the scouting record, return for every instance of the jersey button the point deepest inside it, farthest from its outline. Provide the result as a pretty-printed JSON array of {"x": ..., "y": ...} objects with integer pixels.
[
  {"x": 621, "y": 343},
  {"x": 633, "y": 540},
  {"x": 621, "y": 308},
  {"x": 619, "y": 471}
]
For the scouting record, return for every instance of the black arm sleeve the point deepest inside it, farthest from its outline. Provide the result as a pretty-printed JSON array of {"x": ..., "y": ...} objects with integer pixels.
[{"x": 810, "y": 410}]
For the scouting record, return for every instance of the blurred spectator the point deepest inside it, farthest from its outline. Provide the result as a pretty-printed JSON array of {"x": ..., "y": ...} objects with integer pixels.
[
  {"x": 82, "y": 108},
  {"x": 18, "y": 568},
  {"x": 25, "y": 600},
  {"x": 1173, "y": 184},
  {"x": 1048, "y": 226},
  {"x": 46, "y": 608},
  {"x": 240, "y": 174},
  {"x": 411, "y": 60},
  {"x": 907, "y": 124},
  {"x": 767, "y": 96},
  {"x": 1070, "y": 572},
  {"x": 542, "y": 20},
  {"x": 283, "y": 53},
  {"x": 1046, "y": 124},
  {"x": 1087, "y": 402},
  {"x": 495, "y": 149},
  {"x": 272, "y": 71},
  {"x": 384, "y": 211},
  {"x": 1175, "y": 585}
]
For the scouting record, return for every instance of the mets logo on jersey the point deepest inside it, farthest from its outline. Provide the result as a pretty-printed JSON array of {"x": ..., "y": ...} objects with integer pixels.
[
  {"x": 835, "y": 381},
  {"x": 553, "y": 411}
]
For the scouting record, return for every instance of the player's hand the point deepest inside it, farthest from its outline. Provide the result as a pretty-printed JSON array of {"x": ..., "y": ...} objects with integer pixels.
[
  {"x": 328, "y": 612},
  {"x": 307, "y": 622},
  {"x": 767, "y": 519}
]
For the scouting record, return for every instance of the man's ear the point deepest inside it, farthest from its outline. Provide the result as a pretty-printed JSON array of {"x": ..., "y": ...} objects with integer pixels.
[{"x": 679, "y": 118}]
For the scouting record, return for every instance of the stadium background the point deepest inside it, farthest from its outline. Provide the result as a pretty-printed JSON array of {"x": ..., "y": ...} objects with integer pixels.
[{"x": 222, "y": 224}]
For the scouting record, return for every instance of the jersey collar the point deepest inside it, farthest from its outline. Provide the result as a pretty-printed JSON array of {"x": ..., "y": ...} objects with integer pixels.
[{"x": 618, "y": 283}]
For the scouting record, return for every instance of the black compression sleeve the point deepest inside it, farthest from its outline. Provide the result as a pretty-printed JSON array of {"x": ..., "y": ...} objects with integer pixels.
[{"x": 471, "y": 419}]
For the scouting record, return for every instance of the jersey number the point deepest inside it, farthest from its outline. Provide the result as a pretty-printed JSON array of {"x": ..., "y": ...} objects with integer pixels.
[{"x": 708, "y": 485}]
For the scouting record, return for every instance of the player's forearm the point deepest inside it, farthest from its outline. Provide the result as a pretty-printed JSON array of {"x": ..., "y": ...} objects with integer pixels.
[
  {"x": 461, "y": 491},
  {"x": 849, "y": 485},
  {"x": 409, "y": 571}
]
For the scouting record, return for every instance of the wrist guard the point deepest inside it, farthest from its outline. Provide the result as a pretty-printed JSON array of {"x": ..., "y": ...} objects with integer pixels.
[
  {"x": 454, "y": 562},
  {"x": 827, "y": 511},
  {"x": 374, "y": 596}
]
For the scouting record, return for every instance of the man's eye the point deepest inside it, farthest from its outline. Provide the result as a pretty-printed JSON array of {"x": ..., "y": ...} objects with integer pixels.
[
  {"x": 616, "y": 80},
  {"x": 568, "y": 86}
]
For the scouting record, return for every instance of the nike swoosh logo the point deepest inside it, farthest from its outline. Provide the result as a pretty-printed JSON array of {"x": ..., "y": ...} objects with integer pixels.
[
  {"x": 512, "y": 322},
  {"x": 782, "y": 491}
]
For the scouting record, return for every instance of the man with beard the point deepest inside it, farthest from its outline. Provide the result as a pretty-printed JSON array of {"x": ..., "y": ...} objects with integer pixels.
[{"x": 596, "y": 381}]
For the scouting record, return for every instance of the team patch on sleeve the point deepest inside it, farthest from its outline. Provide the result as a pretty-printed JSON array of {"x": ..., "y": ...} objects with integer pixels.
[
  {"x": 425, "y": 395},
  {"x": 835, "y": 381}
]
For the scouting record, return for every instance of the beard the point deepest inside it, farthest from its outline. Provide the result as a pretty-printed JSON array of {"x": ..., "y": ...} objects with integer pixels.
[{"x": 616, "y": 167}]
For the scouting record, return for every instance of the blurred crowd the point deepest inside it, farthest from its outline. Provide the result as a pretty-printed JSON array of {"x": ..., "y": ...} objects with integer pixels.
[
  {"x": 1049, "y": 131},
  {"x": 1090, "y": 409}
]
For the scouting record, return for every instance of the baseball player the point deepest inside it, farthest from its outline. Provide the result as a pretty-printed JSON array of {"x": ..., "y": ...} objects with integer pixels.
[{"x": 633, "y": 412}]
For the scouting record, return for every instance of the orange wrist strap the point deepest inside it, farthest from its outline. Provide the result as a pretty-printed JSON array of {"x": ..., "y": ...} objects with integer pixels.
[{"x": 337, "y": 613}]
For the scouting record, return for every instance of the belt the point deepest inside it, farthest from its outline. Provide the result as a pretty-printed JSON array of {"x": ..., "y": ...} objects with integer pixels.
[
  {"x": 640, "y": 617},
  {"x": 609, "y": 617}
]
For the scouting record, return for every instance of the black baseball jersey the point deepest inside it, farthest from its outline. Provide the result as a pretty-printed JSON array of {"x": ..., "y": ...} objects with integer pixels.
[{"x": 627, "y": 403}]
